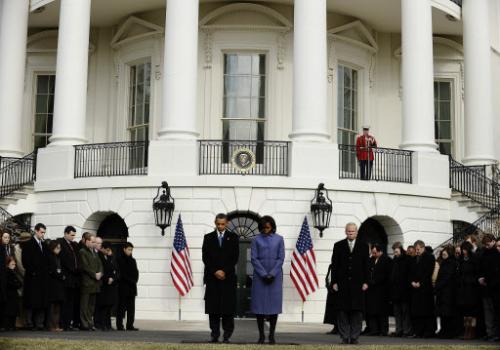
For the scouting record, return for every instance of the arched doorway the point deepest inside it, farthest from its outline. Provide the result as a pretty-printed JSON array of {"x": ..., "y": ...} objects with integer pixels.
[
  {"x": 382, "y": 230},
  {"x": 110, "y": 227},
  {"x": 245, "y": 225}
]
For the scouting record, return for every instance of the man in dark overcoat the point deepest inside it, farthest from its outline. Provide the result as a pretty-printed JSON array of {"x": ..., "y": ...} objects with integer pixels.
[
  {"x": 127, "y": 287},
  {"x": 220, "y": 252},
  {"x": 70, "y": 268},
  {"x": 350, "y": 282},
  {"x": 108, "y": 296},
  {"x": 378, "y": 293},
  {"x": 36, "y": 264},
  {"x": 422, "y": 294}
]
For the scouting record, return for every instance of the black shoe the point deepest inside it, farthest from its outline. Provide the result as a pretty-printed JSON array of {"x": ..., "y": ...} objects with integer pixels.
[
  {"x": 120, "y": 328},
  {"x": 345, "y": 341},
  {"x": 226, "y": 341},
  {"x": 84, "y": 329},
  {"x": 261, "y": 339},
  {"x": 214, "y": 340},
  {"x": 40, "y": 329},
  {"x": 354, "y": 341},
  {"x": 272, "y": 341},
  {"x": 132, "y": 328}
]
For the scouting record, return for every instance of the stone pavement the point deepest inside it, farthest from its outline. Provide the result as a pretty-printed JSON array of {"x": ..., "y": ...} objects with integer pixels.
[{"x": 245, "y": 332}]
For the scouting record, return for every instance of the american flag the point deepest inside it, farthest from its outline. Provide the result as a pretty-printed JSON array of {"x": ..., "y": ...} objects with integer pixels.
[
  {"x": 303, "y": 270},
  {"x": 180, "y": 266}
]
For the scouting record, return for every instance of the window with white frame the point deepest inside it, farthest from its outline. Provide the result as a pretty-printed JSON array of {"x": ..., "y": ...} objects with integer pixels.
[
  {"x": 139, "y": 101},
  {"x": 244, "y": 100},
  {"x": 443, "y": 116},
  {"x": 347, "y": 105},
  {"x": 44, "y": 109}
]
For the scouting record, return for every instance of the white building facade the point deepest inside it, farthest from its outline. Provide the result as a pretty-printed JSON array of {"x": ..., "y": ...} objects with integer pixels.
[{"x": 116, "y": 96}]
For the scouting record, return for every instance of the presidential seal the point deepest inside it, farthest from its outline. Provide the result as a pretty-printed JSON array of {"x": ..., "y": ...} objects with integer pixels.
[{"x": 243, "y": 159}]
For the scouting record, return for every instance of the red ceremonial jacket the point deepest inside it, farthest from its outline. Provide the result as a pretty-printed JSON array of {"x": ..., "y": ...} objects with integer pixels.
[{"x": 364, "y": 146}]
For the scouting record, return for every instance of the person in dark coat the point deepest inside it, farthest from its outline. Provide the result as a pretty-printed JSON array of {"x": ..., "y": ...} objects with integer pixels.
[
  {"x": 91, "y": 281},
  {"x": 268, "y": 255},
  {"x": 12, "y": 285},
  {"x": 350, "y": 282},
  {"x": 400, "y": 291},
  {"x": 445, "y": 290},
  {"x": 422, "y": 294},
  {"x": 6, "y": 246},
  {"x": 220, "y": 253},
  {"x": 127, "y": 288},
  {"x": 106, "y": 299},
  {"x": 488, "y": 265},
  {"x": 35, "y": 259},
  {"x": 70, "y": 258},
  {"x": 330, "y": 312},
  {"x": 468, "y": 293},
  {"x": 378, "y": 294},
  {"x": 56, "y": 286}
]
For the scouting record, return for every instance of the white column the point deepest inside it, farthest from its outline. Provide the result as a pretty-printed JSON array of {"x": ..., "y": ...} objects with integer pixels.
[
  {"x": 13, "y": 36},
  {"x": 417, "y": 76},
  {"x": 310, "y": 122},
  {"x": 71, "y": 73},
  {"x": 479, "y": 124},
  {"x": 180, "y": 71}
]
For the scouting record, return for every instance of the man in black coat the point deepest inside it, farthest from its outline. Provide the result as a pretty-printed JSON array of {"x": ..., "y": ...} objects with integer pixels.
[
  {"x": 220, "y": 252},
  {"x": 106, "y": 299},
  {"x": 127, "y": 288},
  {"x": 70, "y": 268},
  {"x": 378, "y": 293},
  {"x": 350, "y": 282},
  {"x": 36, "y": 264},
  {"x": 401, "y": 290},
  {"x": 422, "y": 295}
]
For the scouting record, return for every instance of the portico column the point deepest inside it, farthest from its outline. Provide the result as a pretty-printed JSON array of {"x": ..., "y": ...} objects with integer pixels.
[
  {"x": 479, "y": 128},
  {"x": 310, "y": 122},
  {"x": 13, "y": 36},
  {"x": 71, "y": 73},
  {"x": 417, "y": 76},
  {"x": 180, "y": 71}
]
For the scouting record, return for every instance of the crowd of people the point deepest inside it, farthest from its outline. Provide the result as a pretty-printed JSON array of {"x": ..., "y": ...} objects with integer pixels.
[
  {"x": 64, "y": 285},
  {"x": 461, "y": 289}
]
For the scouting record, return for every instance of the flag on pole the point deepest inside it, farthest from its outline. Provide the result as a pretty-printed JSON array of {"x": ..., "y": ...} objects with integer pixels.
[
  {"x": 303, "y": 268},
  {"x": 180, "y": 266}
]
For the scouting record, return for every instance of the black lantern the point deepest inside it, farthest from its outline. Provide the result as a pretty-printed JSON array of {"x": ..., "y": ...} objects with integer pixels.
[
  {"x": 321, "y": 209},
  {"x": 163, "y": 207}
]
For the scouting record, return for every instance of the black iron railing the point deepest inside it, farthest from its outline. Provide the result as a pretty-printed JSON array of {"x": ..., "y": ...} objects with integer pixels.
[
  {"x": 4, "y": 161},
  {"x": 393, "y": 165},
  {"x": 111, "y": 159},
  {"x": 488, "y": 223},
  {"x": 13, "y": 224},
  {"x": 474, "y": 185},
  {"x": 219, "y": 157},
  {"x": 17, "y": 174}
]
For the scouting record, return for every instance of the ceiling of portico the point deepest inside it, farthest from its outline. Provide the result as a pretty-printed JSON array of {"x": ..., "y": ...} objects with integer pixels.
[{"x": 381, "y": 15}]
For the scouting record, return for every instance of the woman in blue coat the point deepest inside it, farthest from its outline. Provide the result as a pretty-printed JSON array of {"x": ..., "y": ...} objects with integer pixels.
[{"x": 268, "y": 254}]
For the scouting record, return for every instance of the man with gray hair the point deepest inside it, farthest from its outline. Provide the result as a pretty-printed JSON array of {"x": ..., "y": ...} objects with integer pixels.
[{"x": 349, "y": 283}]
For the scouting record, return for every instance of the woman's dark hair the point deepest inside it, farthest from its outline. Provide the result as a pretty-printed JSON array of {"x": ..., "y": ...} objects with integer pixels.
[
  {"x": 266, "y": 219},
  {"x": 53, "y": 244},
  {"x": 8, "y": 260},
  {"x": 398, "y": 245},
  {"x": 377, "y": 247},
  {"x": 127, "y": 245},
  {"x": 107, "y": 245},
  {"x": 448, "y": 249},
  {"x": 466, "y": 246}
]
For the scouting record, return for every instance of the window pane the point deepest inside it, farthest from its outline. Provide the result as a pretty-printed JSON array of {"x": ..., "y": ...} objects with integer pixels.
[
  {"x": 40, "y": 124},
  {"x": 237, "y": 108},
  {"x": 445, "y": 91},
  {"x": 139, "y": 102},
  {"x": 240, "y": 130},
  {"x": 41, "y": 104},
  {"x": 444, "y": 111},
  {"x": 258, "y": 87},
  {"x": 445, "y": 148},
  {"x": 237, "y": 86},
  {"x": 52, "y": 84},
  {"x": 42, "y": 86},
  {"x": 445, "y": 130}
]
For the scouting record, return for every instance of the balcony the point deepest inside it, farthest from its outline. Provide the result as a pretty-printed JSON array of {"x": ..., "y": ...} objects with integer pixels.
[
  {"x": 391, "y": 165},
  {"x": 111, "y": 159},
  {"x": 218, "y": 157}
]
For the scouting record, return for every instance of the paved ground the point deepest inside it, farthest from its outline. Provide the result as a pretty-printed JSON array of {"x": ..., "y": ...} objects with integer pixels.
[{"x": 245, "y": 332}]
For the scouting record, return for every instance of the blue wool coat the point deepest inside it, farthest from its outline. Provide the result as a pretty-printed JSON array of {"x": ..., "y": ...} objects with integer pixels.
[{"x": 268, "y": 254}]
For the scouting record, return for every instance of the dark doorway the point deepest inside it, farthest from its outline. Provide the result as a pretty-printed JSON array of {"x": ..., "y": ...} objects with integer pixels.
[
  {"x": 372, "y": 232},
  {"x": 113, "y": 229},
  {"x": 245, "y": 225}
]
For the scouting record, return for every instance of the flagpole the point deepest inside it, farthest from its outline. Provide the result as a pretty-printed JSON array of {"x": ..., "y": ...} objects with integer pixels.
[
  {"x": 180, "y": 309},
  {"x": 302, "y": 311}
]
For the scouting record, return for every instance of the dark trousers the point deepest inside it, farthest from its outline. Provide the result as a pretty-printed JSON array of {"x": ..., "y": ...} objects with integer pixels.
[
  {"x": 449, "y": 326},
  {"x": 227, "y": 325},
  {"x": 365, "y": 167},
  {"x": 67, "y": 308},
  {"x": 273, "y": 319},
  {"x": 402, "y": 316},
  {"x": 54, "y": 315},
  {"x": 76, "y": 308},
  {"x": 9, "y": 322},
  {"x": 349, "y": 324},
  {"x": 424, "y": 326},
  {"x": 377, "y": 324},
  {"x": 489, "y": 317},
  {"x": 87, "y": 307},
  {"x": 126, "y": 305},
  {"x": 35, "y": 317},
  {"x": 102, "y": 317}
]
